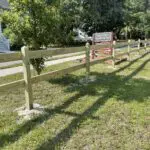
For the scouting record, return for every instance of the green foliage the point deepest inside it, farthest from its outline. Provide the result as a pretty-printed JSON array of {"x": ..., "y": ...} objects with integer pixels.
[
  {"x": 38, "y": 23},
  {"x": 38, "y": 64},
  {"x": 68, "y": 17},
  {"x": 30, "y": 23},
  {"x": 137, "y": 18},
  {"x": 104, "y": 15},
  {"x": 15, "y": 41}
]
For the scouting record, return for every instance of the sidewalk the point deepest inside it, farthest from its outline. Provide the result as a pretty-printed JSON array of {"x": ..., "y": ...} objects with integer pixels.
[
  {"x": 14, "y": 70},
  {"x": 5, "y": 64}
]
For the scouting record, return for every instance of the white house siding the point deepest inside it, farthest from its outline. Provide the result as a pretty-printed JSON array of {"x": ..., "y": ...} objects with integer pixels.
[
  {"x": 0, "y": 28},
  {"x": 4, "y": 43},
  {"x": 4, "y": 4}
]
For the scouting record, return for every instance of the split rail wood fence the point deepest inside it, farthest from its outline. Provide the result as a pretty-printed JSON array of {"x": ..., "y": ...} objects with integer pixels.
[{"x": 26, "y": 55}]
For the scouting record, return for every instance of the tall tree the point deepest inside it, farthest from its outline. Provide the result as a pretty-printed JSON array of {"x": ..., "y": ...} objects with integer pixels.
[
  {"x": 137, "y": 17},
  {"x": 104, "y": 15},
  {"x": 32, "y": 23},
  {"x": 68, "y": 17}
]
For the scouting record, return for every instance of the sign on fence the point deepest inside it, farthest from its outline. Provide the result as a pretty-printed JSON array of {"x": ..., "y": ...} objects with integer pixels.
[{"x": 103, "y": 37}]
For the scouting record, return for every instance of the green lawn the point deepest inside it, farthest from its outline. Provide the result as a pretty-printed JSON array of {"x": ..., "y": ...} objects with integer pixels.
[{"x": 110, "y": 113}]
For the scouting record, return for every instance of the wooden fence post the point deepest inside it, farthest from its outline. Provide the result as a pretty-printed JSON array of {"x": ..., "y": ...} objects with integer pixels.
[
  {"x": 139, "y": 46},
  {"x": 129, "y": 48},
  {"x": 87, "y": 58},
  {"x": 145, "y": 45},
  {"x": 27, "y": 78},
  {"x": 113, "y": 53}
]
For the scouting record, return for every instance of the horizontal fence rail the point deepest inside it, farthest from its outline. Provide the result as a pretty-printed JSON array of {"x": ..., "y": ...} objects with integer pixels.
[
  {"x": 45, "y": 53},
  {"x": 15, "y": 84},
  {"x": 57, "y": 73},
  {"x": 65, "y": 56},
  {"x": 10, "y": 57},
  {"x": 26, "y": 55}
]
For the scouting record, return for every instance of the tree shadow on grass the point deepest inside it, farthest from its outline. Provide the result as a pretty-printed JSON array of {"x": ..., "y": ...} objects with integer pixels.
[
  {"x": 121, "y": 87},
  {"x": 64, "y": 135},
  {"x": 115, "y": 86}
]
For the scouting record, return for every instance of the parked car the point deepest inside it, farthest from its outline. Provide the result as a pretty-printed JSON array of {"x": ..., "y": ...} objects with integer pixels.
[{"x": 80, "y": 36}]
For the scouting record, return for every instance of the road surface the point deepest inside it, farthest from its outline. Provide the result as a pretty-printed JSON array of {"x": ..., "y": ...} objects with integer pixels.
[{"x": 14, "y": 70}]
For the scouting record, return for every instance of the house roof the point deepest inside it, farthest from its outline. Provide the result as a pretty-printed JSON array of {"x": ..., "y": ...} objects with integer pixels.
[{"x": 4, "y": 4}]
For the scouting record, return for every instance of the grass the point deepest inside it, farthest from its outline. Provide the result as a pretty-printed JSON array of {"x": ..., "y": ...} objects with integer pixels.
[{"x": 113, "y": 112}]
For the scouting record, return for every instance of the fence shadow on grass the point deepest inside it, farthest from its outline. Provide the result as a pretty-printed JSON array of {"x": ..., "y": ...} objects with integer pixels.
[
  {"x": 115, "y": 85},
  {"x": 123, "y": 88}
]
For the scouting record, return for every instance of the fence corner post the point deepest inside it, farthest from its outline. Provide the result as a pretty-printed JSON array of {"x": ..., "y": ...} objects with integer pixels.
[
  {"x": 139, "y": 45},
  {"x": 27, "y": 78},
  {"x": 129, "y": 48},
  {"x": 113, "y": 53},
  {"x": 87, "y": 58}
]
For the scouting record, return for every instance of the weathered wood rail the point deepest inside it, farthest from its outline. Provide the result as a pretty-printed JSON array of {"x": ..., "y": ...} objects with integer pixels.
[{"x": 26, "y": 55}]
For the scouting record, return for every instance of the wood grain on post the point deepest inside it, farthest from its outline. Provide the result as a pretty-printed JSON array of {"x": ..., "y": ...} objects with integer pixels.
[
  {"x": 145, "y": 45},
  {"x": 87, "y": 58},
  {"x": 139, "y": 46},
  {"x": 113, "y": 53},
  {"x": 27, "y": 78},
  {"x": 129, "y": 48}
]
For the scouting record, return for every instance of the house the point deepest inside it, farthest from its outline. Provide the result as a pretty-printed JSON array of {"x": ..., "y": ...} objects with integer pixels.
[{"x": 4, "y": 43}]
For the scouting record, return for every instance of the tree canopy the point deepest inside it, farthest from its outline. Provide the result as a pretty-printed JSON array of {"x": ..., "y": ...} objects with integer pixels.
[
  {"x": 31, "y": 22},
  {"x": 36, "y": 22},
  {"x": 40, "y": 23}
]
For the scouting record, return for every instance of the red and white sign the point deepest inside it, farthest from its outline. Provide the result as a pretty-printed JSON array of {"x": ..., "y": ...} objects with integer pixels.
[{"x": 103, "y": 37}]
